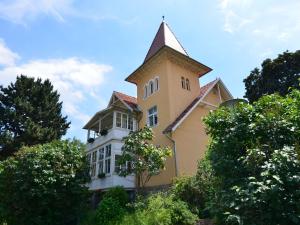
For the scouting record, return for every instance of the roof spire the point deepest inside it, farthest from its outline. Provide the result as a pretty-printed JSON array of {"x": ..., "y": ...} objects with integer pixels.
[{"x": 164, "y": 37}]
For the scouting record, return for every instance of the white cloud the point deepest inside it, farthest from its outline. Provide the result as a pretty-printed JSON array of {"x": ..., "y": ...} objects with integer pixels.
[
  {"x": 7, "y": 57},
  {"x": 268, "y": 20},
  {"x": 74, "y": 79},
  {"x": 20, "y": 11}
]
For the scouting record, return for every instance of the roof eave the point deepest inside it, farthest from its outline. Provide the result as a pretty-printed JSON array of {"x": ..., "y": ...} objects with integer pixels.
[{"x": 167, "y": 48}]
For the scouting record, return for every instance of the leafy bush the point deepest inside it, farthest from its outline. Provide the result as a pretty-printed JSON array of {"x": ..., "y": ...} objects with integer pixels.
[
  {"x": 254, "y": 153},
  {"x": 161, "y": 209},
  {"x": 117, "y": 193},
  {"x": 111, "y": 208},
  {"x": 44, "y": 184},
  {"x": 109, "y": 211}
]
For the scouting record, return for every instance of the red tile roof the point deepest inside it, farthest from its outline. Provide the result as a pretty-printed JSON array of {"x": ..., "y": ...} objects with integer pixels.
[
  {"x": 129, "y": 100},
  {"x": 203, "y": 91}
]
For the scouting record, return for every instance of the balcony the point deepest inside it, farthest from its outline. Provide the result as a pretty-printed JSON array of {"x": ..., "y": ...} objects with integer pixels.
[{"x": 107, "y": 125}]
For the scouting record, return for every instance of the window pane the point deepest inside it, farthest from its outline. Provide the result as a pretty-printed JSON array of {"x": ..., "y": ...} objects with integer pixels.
[
  {"x": 155, "y": 119},
  {"x": 151, "y": 87},
  {"x": 94, "y": 156},
  {"x": 130, "y": 123},
  {"x": 101, "y": 153},
  {"x": 107, "y": 166},
  {"x": 117, "y": 166},
  {"x": 183, "y": 82},
  {"x": 118, "y": 120},
  {"x": 145, "y": 92},
  {"x": 124, "y": 121},
  {"x": 93, "y": 170},
  {"x": 156, "y": 84},
  {"x": 107, "y": 151},
  {"x": 100, "y": 167}
]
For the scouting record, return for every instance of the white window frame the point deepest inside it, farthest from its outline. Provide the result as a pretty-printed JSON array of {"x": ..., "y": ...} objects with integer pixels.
[
  {"x": 93, "y": 168},
  {"x": 129, "y": 118},
  {"x": 101, "y": 152},
  {"x": 151, "y": 85},
  {"x": 152, "y": 115},
  {"x": 145, "y": 91},
  {"x": 107, "y": 158}
]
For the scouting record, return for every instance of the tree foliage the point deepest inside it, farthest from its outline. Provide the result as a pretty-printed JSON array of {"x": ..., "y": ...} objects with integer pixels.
[
  {"x": 276, "y": 75},
  {"x": 160, "y": 209},
  {"x": 147, "y": 159},
  {"x": 254, "y": 153},
  {"x": 30, "y": 114},
  {"x": 44, "y": 184}
]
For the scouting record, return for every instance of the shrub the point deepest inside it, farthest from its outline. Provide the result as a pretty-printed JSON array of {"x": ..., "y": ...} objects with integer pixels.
[
  {"x": 44, "y": 184},
  {"x": 119, "y": 194},
  {"x": 161, "y": 209},
  {"x": 254, "y": 153},
  {"x": 109, "y": 211}
]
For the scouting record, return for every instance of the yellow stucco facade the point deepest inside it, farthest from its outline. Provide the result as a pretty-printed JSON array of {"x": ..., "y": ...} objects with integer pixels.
[{"x": 182, "y": 108}]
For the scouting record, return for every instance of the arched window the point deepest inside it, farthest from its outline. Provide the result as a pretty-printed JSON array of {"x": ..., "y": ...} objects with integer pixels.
[
  {"x": 151, "y": 87},
  {"x": 145, "y": 91},
  {"x": 187, "y": 82},
  {"x": 156, "y": 84},
  {"x": 183, "y": 82}
]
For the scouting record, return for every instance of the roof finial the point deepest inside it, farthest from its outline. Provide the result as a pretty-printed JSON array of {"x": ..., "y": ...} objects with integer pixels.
[{"x": 163, "y": 18}]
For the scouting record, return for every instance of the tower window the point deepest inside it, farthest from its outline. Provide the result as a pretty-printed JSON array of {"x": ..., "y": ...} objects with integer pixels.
[
  {"x": 156, "y": 84},
  {"x": 151, "y": 86},
  {"x": 145, "y": 91},
  {"x": 152, "y": 116},
  {"x": 183, "y": 82},
  {"x": 187, "y": 82}
]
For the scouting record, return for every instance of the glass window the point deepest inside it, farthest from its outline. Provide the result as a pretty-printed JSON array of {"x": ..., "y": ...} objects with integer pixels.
[
  {"x": 124, "y": 121},
  {"x": 119, "y": 119},
  {"x": 100, "y": 160},
  {"x": 93, "y": 165},
  {"x": 183, "y": 82},
  {"x": 145, "y": 91},
  {"x": 107, "y": 165},
  {"x": 156, "y": 84},
  {"x": 107, "y": 158},
  {"x": 188, "y": 84},
  {"x": 117, "y": 165},
  {"x": 130, "y": 123},
  {"x": 152, "y": 116},
  {"x": 151, "y": 86}
]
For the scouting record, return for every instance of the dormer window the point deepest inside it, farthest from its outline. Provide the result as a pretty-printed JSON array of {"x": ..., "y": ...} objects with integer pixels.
[
  {"x": 187, "y": 83},
  {"x": 183, "y": 82}
]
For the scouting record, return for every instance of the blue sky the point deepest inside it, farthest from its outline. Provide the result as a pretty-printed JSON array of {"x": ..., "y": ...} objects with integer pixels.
[{"x": 88, "y": 48}]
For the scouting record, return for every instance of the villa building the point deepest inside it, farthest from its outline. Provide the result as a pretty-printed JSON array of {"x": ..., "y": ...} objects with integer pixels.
[{"x": 171, "y": 100}]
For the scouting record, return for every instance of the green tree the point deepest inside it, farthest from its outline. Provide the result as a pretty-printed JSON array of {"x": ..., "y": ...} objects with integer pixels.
[
  {"x": 254, "y": 153},
  {"x": 277, "y": 75},
  {"x": 30, "y": 114},
  {"x": 147, "y": 159},
  {"x": 44, "y": 184}
]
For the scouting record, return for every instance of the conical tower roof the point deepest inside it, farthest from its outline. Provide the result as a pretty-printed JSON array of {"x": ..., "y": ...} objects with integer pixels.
[{"x": 164, "y": 36}]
